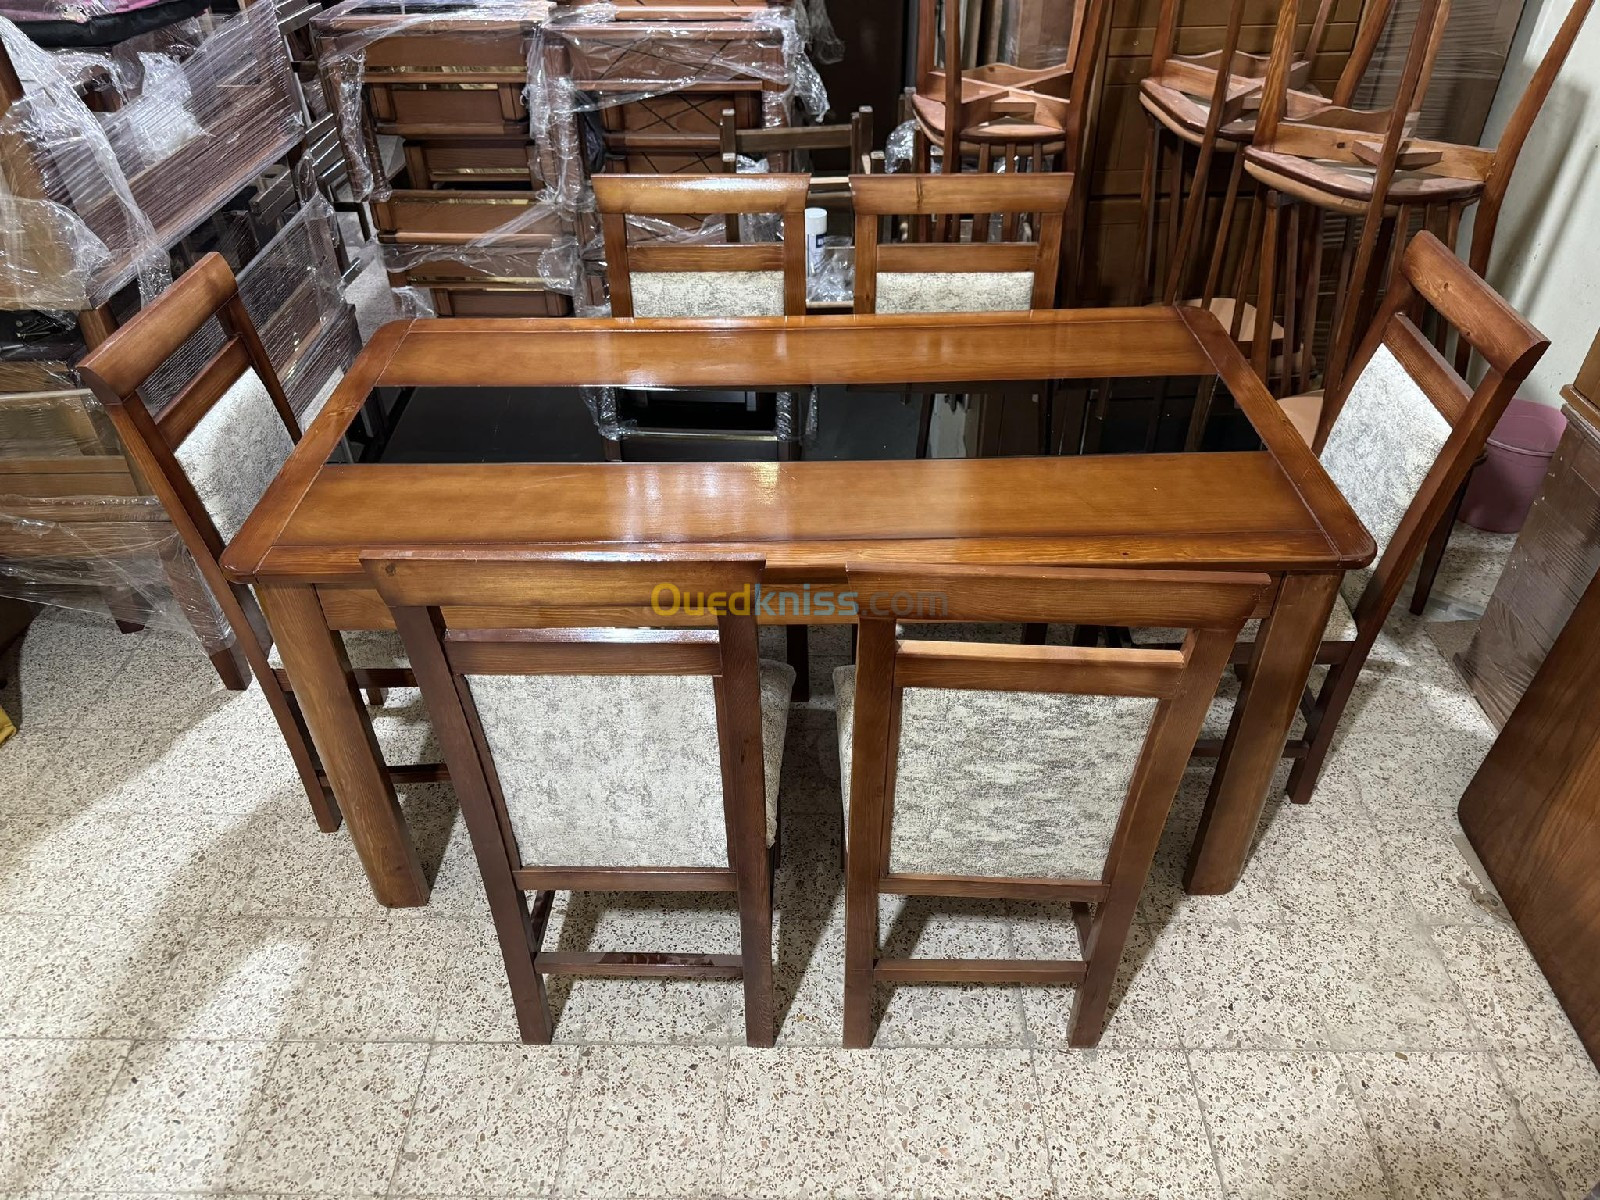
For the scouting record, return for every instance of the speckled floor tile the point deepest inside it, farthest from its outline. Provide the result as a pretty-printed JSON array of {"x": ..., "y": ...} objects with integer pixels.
[
  {"x": 804, "y": 1123},
  {"x": 1445, "y": 1128},
  {"x": 298, "y": 871},
  {"x": 96, "y": 980},
  {"x": 49, "y": 1093},
  {"x": 1558, "y": 1096},
  {"x": 1140, "y": 1014},
  {"x": 26, "y": 940},
  {"x": 1125, "y": 1125},
  {"x": 489, "y": 1120},
  {"x": 1508, "y": 998},
  {"x": 58, "y": 653},
  {"x": 175, "y": 1112},
  {"x": 48, "y": 771},
  {"x": 377, "y": 979},
  {"x": 235, "y": 978},
  {"x": 1381, "y": 987},
  {"x": 944, "y": 1014},
  {"x": 1235, "y": 987},
  {"x": 1423, "y": 742},
  {"x": 808, "y": 978},
  {"x": 1286, "y": 1125},
  {"x": 164, "y": 663},
  {"x": 1424, "y": 854},
  {"x": 330, "y": 1119},
  {"x": 477, "y": 994},
  {"x": 964, "y": 1123},
  {"x": 1324, "y": 867},
  {"x": 647, "y": 1120}
]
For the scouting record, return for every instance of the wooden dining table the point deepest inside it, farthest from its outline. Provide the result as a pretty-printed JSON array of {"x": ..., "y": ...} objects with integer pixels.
[{"x": 1269, "y": 509}]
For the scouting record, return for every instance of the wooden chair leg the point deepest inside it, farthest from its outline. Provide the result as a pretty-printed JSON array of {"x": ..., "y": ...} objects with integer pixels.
[
  {"x": 1034, "y": 634},
  {"x": 1266, "y": 289},
  {"x": 375, "y": 697},
  {"x": 1433, "y": 552},
  {"x": 1147, "y": 216},
  {"x": 298, "y": 738},
  {"x": 925, "y": 424},
  {"x": 1322, "y": 724},
  {"x": 231, "y": 667},
  {"x": 520, "y": 934}
]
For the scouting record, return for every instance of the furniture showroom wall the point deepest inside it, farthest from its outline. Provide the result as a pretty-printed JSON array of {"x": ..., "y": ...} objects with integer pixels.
[{"x": 1546, "y": 254}]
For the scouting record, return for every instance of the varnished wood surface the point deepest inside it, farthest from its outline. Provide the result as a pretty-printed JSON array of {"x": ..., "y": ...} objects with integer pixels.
[{"x": 1267, "y": 510}]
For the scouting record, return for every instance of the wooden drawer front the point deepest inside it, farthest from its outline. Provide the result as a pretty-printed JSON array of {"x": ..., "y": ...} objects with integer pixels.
[
  {"x": 506, "y": 163},
  {"x": 506, "y": 303},
  {"x": 449, "y": 216},
  {"x": 484, "y": 108}
]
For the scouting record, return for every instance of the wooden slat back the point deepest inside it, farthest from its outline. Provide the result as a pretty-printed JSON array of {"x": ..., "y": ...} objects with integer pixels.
[
  {"x": 618, "y": 197},
  {"x": 1046, "y": 195}
]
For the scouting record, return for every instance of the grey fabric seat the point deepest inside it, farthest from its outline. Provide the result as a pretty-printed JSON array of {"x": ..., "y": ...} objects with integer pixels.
[
  {"x": 620, "y": 770},
  {"x": 1004, "y": 783}
]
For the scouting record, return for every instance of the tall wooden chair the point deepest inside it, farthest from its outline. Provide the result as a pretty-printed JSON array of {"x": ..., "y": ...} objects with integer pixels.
[
  {"x": 620, "y": 758},
  {"x": 1011, "y": 119},
  {"x": 1093, "y": 743},
  {"x": 956, "y": 267},
  {"x": 1208, "y": 101},
  {"x": 664, "y": 278},
  {"x": 1400, "y": 437},
  {"x": 1367, "y": 165},
  {"x": 209, "y": 456},
  {"x": 778, "y": 147}
]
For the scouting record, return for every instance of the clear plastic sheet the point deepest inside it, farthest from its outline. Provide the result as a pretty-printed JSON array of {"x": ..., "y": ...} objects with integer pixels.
[
  {"x": 92, "y": 201},
  {"x": 348, "y": 33},
  {"x": 585, "y": 60},
  {"x": 113, "y": 553}
]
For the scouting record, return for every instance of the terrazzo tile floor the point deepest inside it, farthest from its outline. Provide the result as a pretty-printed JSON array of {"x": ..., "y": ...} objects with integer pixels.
[{"x": 197, "y": 994}]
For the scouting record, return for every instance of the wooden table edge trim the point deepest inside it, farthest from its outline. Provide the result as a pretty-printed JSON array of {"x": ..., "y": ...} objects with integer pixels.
[
  {"x": 243, "y": 558},
  {"x": 1301, "y": 468}
]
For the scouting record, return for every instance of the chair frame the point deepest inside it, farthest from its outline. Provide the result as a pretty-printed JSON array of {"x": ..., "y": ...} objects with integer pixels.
[
  {"x": 115, "y": 371},
  {"x": 1048, "y": 195},
  {"x": 588, "y": 614},
  {"x": 1429, "y": 275},
  {"x": 1212, "y": 606},
  {"x": 617, "y": 197},
  {"x": 854, "y": 136}
]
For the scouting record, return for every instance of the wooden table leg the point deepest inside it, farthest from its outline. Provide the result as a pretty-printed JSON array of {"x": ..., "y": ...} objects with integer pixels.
[
  {"x": 315, "y": 660},
  {"x": 1286, "y": 645}
]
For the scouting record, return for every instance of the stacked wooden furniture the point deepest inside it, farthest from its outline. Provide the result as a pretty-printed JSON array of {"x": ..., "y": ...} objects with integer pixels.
[
  {"x": 1368, "y": 165},
  {"x": 96, "y": 200},
  {"x": 448, "y": 81},
  {"x": 78, "y": 521},
  {"x": 659, "y": 74}
]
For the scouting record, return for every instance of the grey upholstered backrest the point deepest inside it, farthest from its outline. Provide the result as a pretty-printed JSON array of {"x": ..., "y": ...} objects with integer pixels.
[
  {"x": 619, "y": 770},
  {"x": 1387, "y": 438},
  {"x": 235, "y": 452},
  {"x": 1005, "y": 783},
  {"x": 954, "y": 291}
]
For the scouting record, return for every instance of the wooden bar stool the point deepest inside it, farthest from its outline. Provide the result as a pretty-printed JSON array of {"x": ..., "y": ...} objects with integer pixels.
[
  {"x": 1093, "y": 744},
  {"x": 611, "y": 757}
]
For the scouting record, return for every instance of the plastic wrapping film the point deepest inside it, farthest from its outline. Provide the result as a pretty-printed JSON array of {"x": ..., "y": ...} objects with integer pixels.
[
  {"x": 585, "y": 59},
  {"x": 91, "y": 201},
  {"x": 75, "y": 532},
  {"x": 1556, "y": 558},
  {"x": 468, "y": 32}
]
